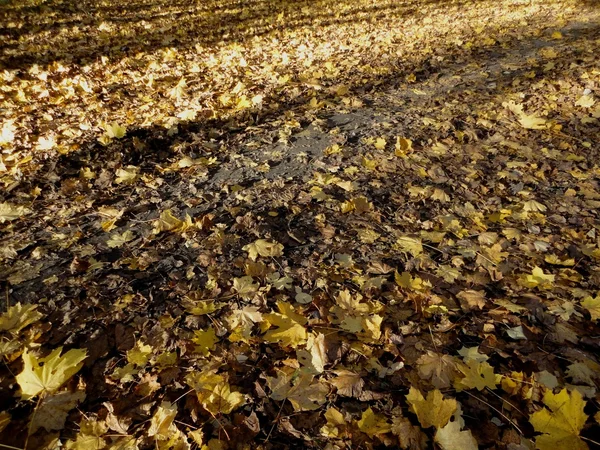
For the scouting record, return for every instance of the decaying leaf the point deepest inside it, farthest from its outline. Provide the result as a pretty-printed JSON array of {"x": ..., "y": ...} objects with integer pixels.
[{"x": 302, "y": 391}]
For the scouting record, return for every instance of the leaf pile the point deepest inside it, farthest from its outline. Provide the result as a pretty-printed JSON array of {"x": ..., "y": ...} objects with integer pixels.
[{"x": 314, "y": 224}]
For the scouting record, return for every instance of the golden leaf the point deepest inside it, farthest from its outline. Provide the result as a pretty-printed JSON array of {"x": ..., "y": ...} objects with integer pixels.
[
  {"x": 9, "y": 212},
  {"x": 592, "y": 304},
  {"x": 433, "y": 411},
  {"x": 263, "y": 248},
  {"x": 290, "y": 326},
  {"x": 373, "y": 424},
  {"x": 560, "y": 422},
  {"x": 18, "y": 317},
  {"x": 477, "y": 375},
  {"x": 50, "y": 373}
]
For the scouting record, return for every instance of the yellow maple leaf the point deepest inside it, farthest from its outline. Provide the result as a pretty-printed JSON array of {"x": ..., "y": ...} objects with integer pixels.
[
  {"x": 126, "y": 175},
  {"x": 406, "y": 281},
  {"x": 18, "y": 317},
  {"x": 89, "y": 436},
  {"x": 302, "y": 391},
  {"x": 477, "y": 375},
  {"x": 410, "y": 245},
  {"x": 205, "y": 340},
  {"x": 380, "y": 143},
  {"x": 290, "y": 326},
  {"x": 263, "y": 248},
  {"x": 537, "y": 279},
  {"x": 114, "y": 130},
  {"x": 50, "y": 373},
  {"x": 117, "y": 240},
  {"x": 403, "y": 146},
  {"x": 451, "y": 437},
  {"x": 433, "y": 411},
  {"x": 336, "y": 423},
  {"x": 560, "y": 422},
  {"x": 162, "y": 421},
  {"x": 214, "y": 393},
  {"x": 527, "y": 121},
  {"x": 245, "y": 287},
  {"x": 373, "y": 424},
  {"x": 139, "y": 354},
  {"x": 9, "y": 212},
  {"x": 592, "y": 304},
  {"x": 168, "y": 222}
]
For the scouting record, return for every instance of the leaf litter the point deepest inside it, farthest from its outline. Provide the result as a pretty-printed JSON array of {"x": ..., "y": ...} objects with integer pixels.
[{"x": 299, "y": 224}]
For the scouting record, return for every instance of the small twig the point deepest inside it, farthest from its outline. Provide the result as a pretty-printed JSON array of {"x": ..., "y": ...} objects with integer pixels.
[
  {"x": 183, "y": 395},
  {"x": 10, "y": 446},
  {"x": 582, "y": 437},
  {"x": 220, "y": 425},
  {"x": 507, "y": 402},
  {"x": 31, "y": 421},
  {"x": 275, "y": 421},
  {"x": 498, "y": 411}
]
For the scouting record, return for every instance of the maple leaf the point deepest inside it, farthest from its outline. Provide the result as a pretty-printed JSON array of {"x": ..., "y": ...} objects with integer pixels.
[
  {"x": 168, "y": 222},
  {"x": 406, "y": 281},
  {"x": 214, "y": 393},
  {"x": 471, "y": 300},
  {"x": 263, "y": 248},
  {"x": 433, "y": 411},
  {"x": 18, "y": 317},
  {"x": 245, "y": 287},
  {"x": 314, "y": 357},
  {"x": 162, "y": 421},
  {"x": 438, "y": 368},
  {"x": 114, "y": 130},
  {"x": 477, "y": 375},
  {"x": 592, "y": 304},
  {"x": 373, "y": 424},
  {"x": 304, "y": 394},
  {"x": 126, "y": 175},
  {"x": 534, "y": 206},
  {"x": 530, "y": 122},
  {"x": 241, "y": 322},
  {"x": 409, "y": 436},
  {"x": 336, "y": 423},
  {"x": 117, "y": 240},
  {"x": 560, "y": 422},
  {"x": 290, "y": 326},
  {"x": 47, "y": 375},
  {"x": 205, "y": 340},
  {"x": 7, "y": 133},
  {"x": 410, "y": 245},
  {"x": 380, "y": 143},
  {"x": 200, "y": 307},
  {"x": 537, "y": 279},
  {"x": 348, "y": 383},
  {"x": 9, "y": 212},
  {"x": 139, "y": 354},
  {"x": 451, "y": 437},
  {"x": 403, "y": 146},
  {"x": 54, "y": 409},
  {"x": 89, "y": 436},
  {"x": 472, "y": 353}
]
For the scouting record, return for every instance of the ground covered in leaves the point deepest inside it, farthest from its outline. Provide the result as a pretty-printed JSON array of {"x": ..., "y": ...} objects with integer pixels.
[{"x": 299, "y": 224}]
